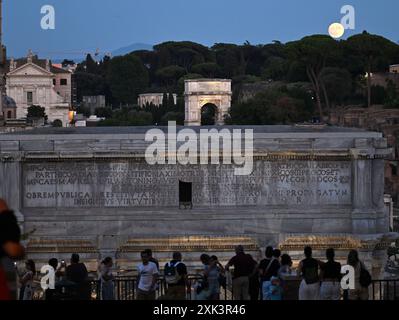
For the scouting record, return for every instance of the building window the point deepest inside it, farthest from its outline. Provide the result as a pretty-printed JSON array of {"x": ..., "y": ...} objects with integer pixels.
[
  {"x": 9, "y": 114},
  {"x": 64, "y": 82},
  {"x": 185, "y": 195},
  {"x": 29, "y": 97},
  {"x": 54, "y": 82}
]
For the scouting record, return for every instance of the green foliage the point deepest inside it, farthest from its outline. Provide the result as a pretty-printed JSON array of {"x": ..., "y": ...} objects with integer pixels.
[
  {"x": 274, "y": 106},
  {"x": 373, "y": 53},
  {"x": 103, "y": 112},
  {"x": 171, "y": 100},
  {"x": 378, "y": 95},
  {"x": 180, "y": 82},
  {"x": 127, "y": 77},
  {"x": 36, "y": 112},
  {"x": 173, "y": 116},
  {"x": 170, "y": 75},
  {"x": 128, "y": 117},
  {"x": 89, "y": 84},
  {"x": 338, "y": 83},
  {"x": 334, "y": 69},
  {"x": 391, "y": 96},
  {"x": 275, "y": 68},
  {"x": 207, "y": 69},
  {"x": 83, "y": 110}
]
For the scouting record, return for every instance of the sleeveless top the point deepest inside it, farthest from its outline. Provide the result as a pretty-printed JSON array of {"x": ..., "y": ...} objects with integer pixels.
[{"x": 310, "y": 270}]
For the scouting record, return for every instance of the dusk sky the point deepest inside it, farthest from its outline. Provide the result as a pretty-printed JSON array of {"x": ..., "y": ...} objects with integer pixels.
[{"x": 84, "y": 25}]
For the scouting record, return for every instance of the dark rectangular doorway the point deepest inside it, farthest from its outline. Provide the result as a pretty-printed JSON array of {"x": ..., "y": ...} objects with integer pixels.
[{"x": 185, "y": 195}]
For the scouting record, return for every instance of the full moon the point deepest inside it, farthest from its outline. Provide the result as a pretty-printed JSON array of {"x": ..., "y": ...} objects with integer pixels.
[{"x": 336, "y": 30}]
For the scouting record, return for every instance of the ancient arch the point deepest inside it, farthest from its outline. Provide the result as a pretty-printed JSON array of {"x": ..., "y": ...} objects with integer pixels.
[{"x": 200, "y": 92}]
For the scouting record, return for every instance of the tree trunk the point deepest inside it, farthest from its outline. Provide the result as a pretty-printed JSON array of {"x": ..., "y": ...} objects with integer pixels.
[
  {"x": 316, "y": 87},
  {"x": 326, "y": 99},
  {"x": 368, "y": 89}
]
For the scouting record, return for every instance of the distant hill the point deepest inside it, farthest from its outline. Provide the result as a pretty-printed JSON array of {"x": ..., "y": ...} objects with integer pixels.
[
  {"x": 118, "y": 52},
  {"x": 133, "y": 47}
]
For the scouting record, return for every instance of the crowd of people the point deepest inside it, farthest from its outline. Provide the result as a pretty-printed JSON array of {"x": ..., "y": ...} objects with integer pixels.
[
  {"x": 267, "y": 280},
  {"x": 270, "y": 278},
  {"x": 250, "y": 280}
]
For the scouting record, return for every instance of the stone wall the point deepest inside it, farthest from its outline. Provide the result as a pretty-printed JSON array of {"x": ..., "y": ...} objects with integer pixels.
[{"x": 92, "y": 186}]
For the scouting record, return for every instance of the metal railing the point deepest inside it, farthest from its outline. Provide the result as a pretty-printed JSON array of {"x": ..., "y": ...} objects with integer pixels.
[
  {"x": 125, "y": 288},
  {"x": 384, "y": 290}
]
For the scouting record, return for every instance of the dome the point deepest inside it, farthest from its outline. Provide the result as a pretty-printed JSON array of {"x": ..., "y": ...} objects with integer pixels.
[{"x": 9, "y": 102}]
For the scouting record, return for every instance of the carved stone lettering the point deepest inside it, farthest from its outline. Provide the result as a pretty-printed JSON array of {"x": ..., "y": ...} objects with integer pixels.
[{"x": 124, "y": 183}]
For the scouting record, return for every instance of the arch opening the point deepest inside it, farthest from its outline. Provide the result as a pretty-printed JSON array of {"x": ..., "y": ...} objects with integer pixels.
[{"x": 209, "y": 113}]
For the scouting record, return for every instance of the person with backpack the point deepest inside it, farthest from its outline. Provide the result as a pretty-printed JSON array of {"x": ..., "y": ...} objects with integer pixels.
[
  {"x": 362, "y": 278},
  {"x": 309, "y": 288},
  {"x": 175, "y": 273}
]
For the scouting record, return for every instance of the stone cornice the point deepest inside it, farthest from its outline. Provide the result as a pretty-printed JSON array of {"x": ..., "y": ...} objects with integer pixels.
[{"x": 139, "y": 156}]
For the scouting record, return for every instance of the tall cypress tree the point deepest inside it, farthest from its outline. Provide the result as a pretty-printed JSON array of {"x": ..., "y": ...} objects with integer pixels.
[
  {"x": 171, "y": 102},
  {"x": 165, "y": 100}
]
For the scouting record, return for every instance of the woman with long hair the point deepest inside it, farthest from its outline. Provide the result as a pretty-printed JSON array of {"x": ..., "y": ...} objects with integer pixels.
[{"x": 360, "y": 292}]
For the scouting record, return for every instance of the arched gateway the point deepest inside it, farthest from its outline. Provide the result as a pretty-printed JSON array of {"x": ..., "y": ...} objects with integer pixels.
[{"x": 201, "y": 92}]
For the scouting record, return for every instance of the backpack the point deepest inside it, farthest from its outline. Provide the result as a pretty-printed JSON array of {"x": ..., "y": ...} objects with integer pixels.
[
  {"x": 171, "y": 274},
  {"x": 365, "y": 277}
]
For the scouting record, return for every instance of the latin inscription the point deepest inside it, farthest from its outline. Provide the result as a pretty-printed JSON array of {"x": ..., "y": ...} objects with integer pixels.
[{"x": 132, "y": 184}]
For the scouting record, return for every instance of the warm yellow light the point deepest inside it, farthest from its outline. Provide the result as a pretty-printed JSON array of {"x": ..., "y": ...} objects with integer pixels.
[
  {"x": 336, "y": 30},
  {"x": 71, "y": 115}
]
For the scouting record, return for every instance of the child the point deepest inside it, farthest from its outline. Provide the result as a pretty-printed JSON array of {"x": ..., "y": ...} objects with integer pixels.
[{"x": 274, "y": 291}]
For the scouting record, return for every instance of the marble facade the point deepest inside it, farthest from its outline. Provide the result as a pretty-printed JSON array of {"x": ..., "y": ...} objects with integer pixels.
[{"x": 90, "y": 190}]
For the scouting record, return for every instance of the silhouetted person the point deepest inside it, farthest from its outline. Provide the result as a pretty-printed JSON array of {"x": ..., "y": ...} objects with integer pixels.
[
  {"x": 26, "y": 281},
  {"x": 331, "y": 278},
  {"x": 77, "y": 273},
  {"x": 106, "y": 279},
  {"x": 244, "y": 266},
  {"x": 360, "y": 292},
  {"x": 175, "y": 273},
  {"x": 51, "y": 293},
  {"x": 268, "y": 268},
  {"x": 10, "y": 248},
  {"x": 309, "y": 270}
]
